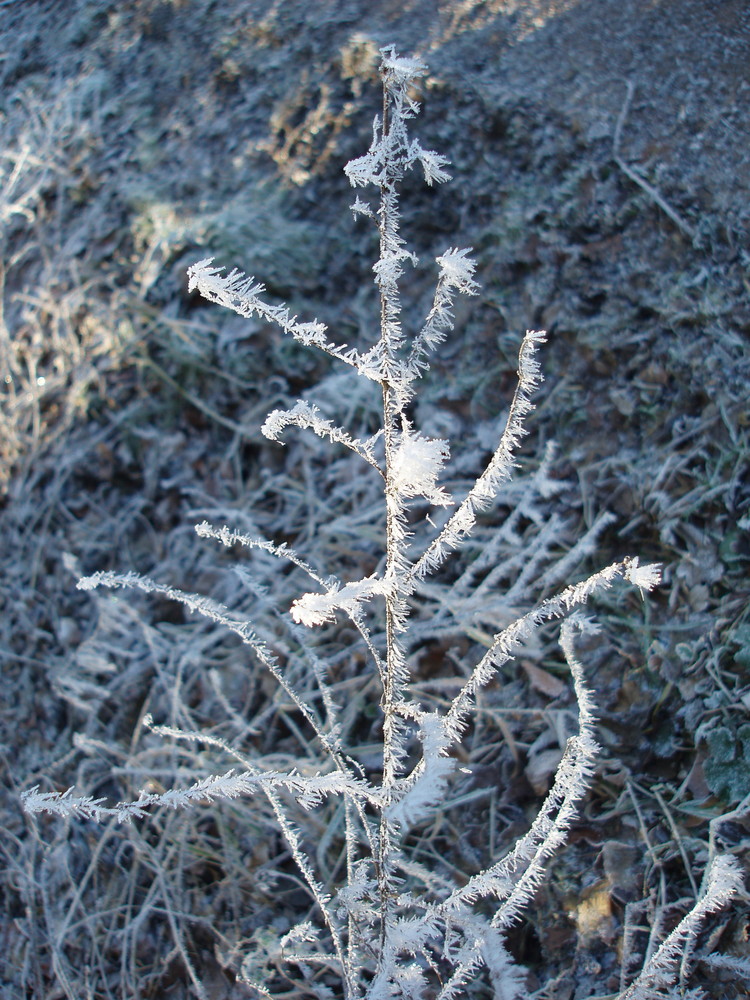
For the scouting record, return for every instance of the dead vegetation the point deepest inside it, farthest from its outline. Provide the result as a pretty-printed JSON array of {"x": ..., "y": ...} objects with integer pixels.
[{"x": 137, "y": 138}]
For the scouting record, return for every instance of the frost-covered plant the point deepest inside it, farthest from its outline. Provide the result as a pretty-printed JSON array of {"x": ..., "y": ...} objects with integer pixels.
[{"x": 389, "y": 927}]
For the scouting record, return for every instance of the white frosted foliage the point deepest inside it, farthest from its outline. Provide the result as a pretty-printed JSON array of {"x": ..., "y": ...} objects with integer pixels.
[
  {"x": 457, "y": 270},
  {"x": 417, "y": 465},
  {"x": 380, "y": 923},
  {"x": 317, "y": 609}
]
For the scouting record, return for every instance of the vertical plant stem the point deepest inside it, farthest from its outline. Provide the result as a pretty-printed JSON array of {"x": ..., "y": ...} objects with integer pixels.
[{"x": 388, "y": 311}]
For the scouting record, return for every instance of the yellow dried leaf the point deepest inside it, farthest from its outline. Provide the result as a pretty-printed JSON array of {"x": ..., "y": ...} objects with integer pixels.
[{"x": 593, "y": 914}]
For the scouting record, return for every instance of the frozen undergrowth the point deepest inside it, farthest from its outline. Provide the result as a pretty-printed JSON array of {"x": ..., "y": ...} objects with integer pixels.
[{"x": 385, "y": 924}]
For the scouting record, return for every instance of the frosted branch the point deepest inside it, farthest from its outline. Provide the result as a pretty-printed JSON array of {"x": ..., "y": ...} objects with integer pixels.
[
  {"x": 307, "y": 415},
  {"x": 499, "y": 467},
  {"x": 241, "y": 294}
]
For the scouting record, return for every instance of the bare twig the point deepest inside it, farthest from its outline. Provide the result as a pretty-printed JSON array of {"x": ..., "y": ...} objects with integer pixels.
[{"x": 633, "y": 174}]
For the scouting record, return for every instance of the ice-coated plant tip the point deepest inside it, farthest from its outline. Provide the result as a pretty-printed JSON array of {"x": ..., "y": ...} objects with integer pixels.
[{"x": 385, "y": 925}]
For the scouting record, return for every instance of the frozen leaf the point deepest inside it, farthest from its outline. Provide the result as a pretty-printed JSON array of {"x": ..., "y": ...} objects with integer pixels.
[
  {"x": 457, "y": 269},
  {"x": 416, "y": 466},
  {"x": 544, "y": 681}
]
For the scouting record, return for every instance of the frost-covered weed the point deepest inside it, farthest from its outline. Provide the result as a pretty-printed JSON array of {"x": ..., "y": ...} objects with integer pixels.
[{"x": 386, "y": 925}]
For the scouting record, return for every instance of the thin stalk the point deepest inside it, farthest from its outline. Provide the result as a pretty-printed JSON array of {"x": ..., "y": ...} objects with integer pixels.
[{"x": 388, "y": 311}]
